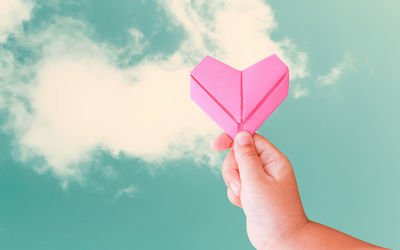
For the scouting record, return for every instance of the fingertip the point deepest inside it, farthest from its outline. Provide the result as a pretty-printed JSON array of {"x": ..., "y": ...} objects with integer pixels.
[
  {"x": 248, "y": 160},
  {"x": 243, "y": 138},
  {"x": 212, "y": 145},
  {"x": 221, "y": 143}
]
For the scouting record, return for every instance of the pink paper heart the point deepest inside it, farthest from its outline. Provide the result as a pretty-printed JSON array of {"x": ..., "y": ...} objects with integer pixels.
[{"x": 239, "y": 100}]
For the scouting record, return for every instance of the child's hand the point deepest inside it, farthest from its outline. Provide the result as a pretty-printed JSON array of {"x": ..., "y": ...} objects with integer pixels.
[
  {"x": 265, "y": 188},
  {"x": 260, "y": 179}
]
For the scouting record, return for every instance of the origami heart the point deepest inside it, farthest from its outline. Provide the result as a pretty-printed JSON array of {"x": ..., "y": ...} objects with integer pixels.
[{"x": 239, "y": 100}]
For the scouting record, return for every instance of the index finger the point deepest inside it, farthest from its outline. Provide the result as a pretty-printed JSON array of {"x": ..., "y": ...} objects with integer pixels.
[{"x": 222, "y": 142}]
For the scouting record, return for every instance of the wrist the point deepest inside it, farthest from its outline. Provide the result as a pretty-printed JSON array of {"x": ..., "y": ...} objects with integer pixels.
[
  {"x": 291, "y": 235},
  {"x": 313, "y": 235}
]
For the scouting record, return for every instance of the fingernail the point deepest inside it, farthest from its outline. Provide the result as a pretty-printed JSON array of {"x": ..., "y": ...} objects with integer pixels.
[
  {"x": 235, "y": 188},
  {"x": 243, "y": 138}
]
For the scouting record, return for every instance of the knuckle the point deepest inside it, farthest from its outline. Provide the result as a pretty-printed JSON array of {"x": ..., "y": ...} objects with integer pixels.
[
  {"x": 284, "y": 159},
  {"x": 225, "y": 169},
  {"x": 227, "y": 175},
  {"x": 248, "y": 153},
  {"x": 226, "y": 178}
]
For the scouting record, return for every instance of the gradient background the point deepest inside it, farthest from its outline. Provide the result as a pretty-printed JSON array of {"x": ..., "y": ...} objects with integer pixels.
[{"x": 342, "y": 139}]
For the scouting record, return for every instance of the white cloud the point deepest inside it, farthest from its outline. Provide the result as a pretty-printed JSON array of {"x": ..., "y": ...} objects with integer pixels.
[
  {"x": 234, "y": 31},
  {"x": 12, "y": 14},
  {"x": 336, "y": 72},
  {"x": 80, "y": 100},
  {"x": 136, "y": 46},
  {"x": 299, "y": 91},
  {"x": 6, "y": 68},
  {"x": 128, "y": 191}
]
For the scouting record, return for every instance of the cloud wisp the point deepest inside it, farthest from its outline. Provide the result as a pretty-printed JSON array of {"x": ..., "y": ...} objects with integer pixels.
[
  {"x": 333, "y": 76},
  {"x": 299, "y": 91},
  {"x": 76, "y": 98},
  {"x": 12, "y": 14},
  {"x": 128, "y": 192}
]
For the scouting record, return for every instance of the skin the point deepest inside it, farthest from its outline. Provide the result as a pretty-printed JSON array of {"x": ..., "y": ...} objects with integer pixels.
[{"x": 260, "y": 180}]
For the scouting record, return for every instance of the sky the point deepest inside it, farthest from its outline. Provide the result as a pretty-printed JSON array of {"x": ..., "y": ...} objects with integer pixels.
[{"x": 102, "y": 148}]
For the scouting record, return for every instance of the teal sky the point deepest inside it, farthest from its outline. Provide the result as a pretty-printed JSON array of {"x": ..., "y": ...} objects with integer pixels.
[{"x": 341, "y": 135}]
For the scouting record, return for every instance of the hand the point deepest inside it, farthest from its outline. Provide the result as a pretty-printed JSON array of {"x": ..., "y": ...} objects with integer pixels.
[{"x": 260, "y": 179}]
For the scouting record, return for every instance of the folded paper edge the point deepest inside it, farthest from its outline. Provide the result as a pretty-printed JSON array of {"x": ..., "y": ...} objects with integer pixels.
[{"x": 266, "y": 96}]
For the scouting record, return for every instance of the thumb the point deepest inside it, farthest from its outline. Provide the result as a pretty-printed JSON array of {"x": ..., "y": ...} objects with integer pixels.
[{"x": 249, "y": 163}]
